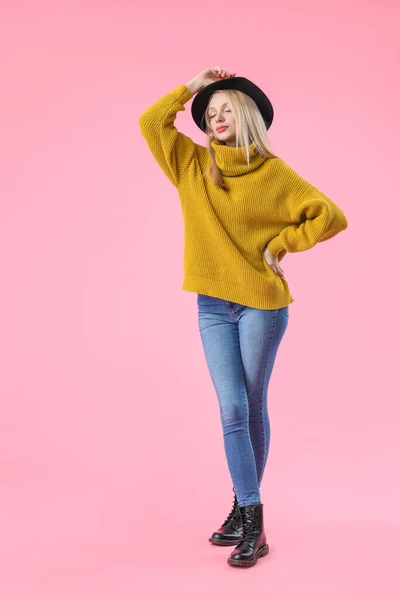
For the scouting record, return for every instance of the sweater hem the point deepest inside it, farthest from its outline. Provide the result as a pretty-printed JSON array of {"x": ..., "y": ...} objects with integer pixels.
[{"x": 254, "y": 298}]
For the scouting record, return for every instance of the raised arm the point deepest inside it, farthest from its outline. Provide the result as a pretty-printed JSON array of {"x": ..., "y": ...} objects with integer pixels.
[{"x": 173, "y": 150}]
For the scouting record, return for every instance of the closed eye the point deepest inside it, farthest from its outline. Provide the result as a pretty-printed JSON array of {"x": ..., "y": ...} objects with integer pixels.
[{"x": 227, "y": 110}]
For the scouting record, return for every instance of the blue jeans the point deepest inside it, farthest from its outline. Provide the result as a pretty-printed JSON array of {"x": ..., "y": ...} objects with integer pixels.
[{"x": 240, "y": 345}]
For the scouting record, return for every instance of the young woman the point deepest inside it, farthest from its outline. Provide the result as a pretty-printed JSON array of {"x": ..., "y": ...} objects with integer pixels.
[{"x": 244, "y": 208}]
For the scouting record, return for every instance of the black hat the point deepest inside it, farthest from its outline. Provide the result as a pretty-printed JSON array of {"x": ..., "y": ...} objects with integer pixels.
[{"x": 201, "y": 99}]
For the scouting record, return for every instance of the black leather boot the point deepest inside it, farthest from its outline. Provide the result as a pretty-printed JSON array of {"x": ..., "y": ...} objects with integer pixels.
[
  {"x": 230, "y": 532},
  {"x": 254, "y": 543}
]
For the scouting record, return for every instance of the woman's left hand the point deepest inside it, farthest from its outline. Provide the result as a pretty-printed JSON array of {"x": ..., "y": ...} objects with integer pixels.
[{"x": 272, "y": 260}]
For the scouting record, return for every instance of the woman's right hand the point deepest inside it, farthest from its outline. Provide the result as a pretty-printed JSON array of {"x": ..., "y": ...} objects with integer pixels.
[
  {"x": 208, "y": 76},
  {"x": 213, "y": 74}
]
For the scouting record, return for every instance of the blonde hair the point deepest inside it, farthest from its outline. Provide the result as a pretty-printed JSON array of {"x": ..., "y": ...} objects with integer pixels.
[{"x": 250, "y": 127}]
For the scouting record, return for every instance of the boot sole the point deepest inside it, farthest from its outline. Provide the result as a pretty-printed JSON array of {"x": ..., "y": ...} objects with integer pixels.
[
  {"x": 263, "y": 551},
  {"x": 225, "y": 542}
]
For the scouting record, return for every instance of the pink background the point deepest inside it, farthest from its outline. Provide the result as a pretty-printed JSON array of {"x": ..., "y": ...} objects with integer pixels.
[{"x": 113, "y": 470}]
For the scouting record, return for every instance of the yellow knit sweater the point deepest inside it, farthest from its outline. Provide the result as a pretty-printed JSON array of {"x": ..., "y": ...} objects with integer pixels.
[{"x": 226, "y": 231}]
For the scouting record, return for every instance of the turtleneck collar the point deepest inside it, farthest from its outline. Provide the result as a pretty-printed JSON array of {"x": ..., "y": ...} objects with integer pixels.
[{"x": 232, "y": 161}]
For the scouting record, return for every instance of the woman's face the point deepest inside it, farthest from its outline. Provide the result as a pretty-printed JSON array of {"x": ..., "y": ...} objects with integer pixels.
[{"x": 221, "y": 115}]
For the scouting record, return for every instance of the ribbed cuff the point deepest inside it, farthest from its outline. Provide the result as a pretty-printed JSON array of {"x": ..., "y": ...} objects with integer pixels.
[
  {"x": 182, "y": 93},
  {"x": 275, "y": 246}
]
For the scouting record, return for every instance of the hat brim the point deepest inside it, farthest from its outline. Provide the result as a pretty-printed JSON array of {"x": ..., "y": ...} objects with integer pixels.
[{"x": 200, "y": 101}]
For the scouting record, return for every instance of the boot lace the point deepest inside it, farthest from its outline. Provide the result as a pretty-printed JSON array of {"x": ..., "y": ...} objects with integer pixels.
[
  {"x": 250, "y": 528},
  {"x": 233, "y": 515}
]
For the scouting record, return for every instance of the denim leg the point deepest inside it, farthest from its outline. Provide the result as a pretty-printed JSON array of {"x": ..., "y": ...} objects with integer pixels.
[
  {"x": 240, "y": 345},
  {"x": 220, "y": 339},
  {"x": 260, "y": 334}
]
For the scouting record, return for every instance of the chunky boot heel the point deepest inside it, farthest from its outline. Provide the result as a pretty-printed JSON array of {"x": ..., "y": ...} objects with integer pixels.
[
  {"x": 254, "y": 543},
  {"x": 231, "y": 530}
]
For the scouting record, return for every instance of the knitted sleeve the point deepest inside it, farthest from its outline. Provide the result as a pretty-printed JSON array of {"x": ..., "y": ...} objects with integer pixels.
[
  {"x": 172, "y": 149},
  {"x": 316, "y": 219}
]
